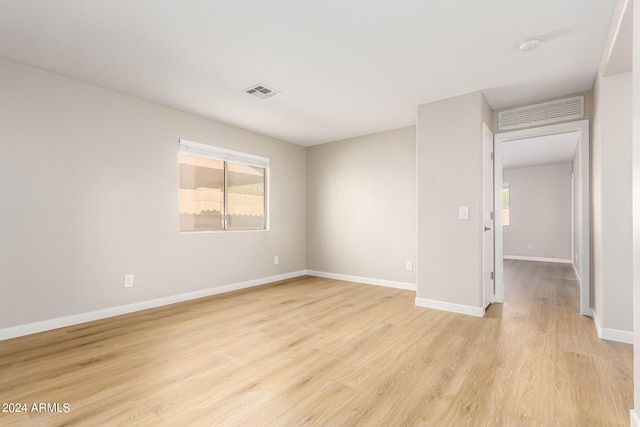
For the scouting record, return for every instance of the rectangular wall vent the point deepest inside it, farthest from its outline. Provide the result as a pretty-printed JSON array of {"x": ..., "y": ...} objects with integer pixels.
[
  {"x": 261, "y": 91},
  {"x": 539, "y": 114}
]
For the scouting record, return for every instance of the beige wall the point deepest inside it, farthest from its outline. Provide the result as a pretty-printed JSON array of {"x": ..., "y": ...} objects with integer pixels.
[
  {"x": 89, "y": 183},
  {"x": 540, "y": 212},
  {"x": 450, "y": 176},
  {"x": 597, "y": 248},
  {"x": 361, "y": 206},
  {"x": 611, "y": 203}
]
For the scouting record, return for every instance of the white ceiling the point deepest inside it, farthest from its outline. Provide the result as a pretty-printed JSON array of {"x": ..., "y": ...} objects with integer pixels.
[
  {"x": 344, "y": 68},
  {"x": 540, "y": 150}
]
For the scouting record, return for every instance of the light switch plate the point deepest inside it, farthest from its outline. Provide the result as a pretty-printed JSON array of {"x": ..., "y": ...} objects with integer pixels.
[
  {"x": 463, "y": 212},
  {"x": 128, "y": 281}
]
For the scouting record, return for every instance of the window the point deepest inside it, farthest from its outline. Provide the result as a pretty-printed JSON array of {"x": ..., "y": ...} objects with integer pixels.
[
  {"x": 506, "y": 204},
  {"x": 221, "y": 189}
]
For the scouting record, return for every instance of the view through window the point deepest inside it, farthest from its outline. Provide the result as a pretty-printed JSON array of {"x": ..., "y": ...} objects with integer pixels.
[
  {"x": 221, "y": 189},
  {"x": 506, "y": 203}
]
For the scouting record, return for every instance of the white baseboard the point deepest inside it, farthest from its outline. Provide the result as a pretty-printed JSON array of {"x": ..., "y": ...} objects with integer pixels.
[
  {"x": 635, "y": 418},
  {"x": 61, "y": 322},
  {"x": 365, "y": 280},
  {"x": 539, "y": 259},
  {"x": 451, "y": 307},
  {"x": 611, "y": 334}
]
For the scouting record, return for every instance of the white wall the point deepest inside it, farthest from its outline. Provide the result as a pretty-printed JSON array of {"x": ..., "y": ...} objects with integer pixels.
[
  {"x": 540, "y": 211},
  {"x": 612, "y": 202},
  {"x": 450, "y": 176},
  {"x": 361, "y": 206},
  {"x": 89, "y": 183}
]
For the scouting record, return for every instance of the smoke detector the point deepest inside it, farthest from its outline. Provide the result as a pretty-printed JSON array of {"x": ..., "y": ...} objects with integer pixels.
[
  {"x": 261, "y": 91},
  {"x": 529, "y": 44}
]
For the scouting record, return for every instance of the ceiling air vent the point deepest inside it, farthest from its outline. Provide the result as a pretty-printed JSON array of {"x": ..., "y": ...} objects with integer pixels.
[
  {"x": 539, "y": 114},
  {"x": 261, "y": 91}
]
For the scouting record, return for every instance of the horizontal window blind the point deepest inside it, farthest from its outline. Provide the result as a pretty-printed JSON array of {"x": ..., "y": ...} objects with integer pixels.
[{"x": 211, "y": 152}]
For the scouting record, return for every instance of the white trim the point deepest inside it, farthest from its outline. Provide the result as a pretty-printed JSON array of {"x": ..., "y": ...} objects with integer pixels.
[
  {"x": 451, "y": 307},
  {"x": 364, "y": 280},
  {"x": 575, "y": 271},
  {"x": 611, "y": 334},
  {"x": 61, "y": 322},
  {"x": 573, "y": 216},
  {"x": 635, "y": 418},
  {"x": 538, "y": 259},
  {"x": 498, "y": 232}
]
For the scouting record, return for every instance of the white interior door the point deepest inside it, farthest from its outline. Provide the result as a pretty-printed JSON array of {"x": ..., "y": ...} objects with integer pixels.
[
  {"x": 487, "y": 217},
  {"x": 498, "y": 244}
]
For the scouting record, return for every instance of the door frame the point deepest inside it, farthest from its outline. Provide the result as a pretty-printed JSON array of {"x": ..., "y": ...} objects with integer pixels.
[
  {"x": 488, "y": 249},
  {"x": 584, "y": 238}
]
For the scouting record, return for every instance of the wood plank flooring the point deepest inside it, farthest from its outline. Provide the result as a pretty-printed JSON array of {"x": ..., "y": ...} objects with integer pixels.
[{"x": 313, "y": 351}]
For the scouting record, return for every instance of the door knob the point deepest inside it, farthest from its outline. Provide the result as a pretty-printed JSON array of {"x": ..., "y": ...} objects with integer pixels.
[{"x": 487, "y": 228}]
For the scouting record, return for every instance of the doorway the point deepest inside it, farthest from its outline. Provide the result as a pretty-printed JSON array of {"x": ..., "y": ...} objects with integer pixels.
[{"x": 579, "y": 251}]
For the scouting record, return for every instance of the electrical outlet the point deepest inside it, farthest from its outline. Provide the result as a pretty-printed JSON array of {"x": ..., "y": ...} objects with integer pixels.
[
  {"x": 408, "y": 266},
  {"x": 276, "y": 260},
  {"x": 530, "y": 246},
  {"x": 128, "y": 281}
]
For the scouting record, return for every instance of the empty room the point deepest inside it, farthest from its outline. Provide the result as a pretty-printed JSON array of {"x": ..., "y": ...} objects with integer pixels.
[{"x": 333, "y": 213}]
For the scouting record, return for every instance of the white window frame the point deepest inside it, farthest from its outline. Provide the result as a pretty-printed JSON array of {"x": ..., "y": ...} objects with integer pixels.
[{"x": 226, "y": 155}]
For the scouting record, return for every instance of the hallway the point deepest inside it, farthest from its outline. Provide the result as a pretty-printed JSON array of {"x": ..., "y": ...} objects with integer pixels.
[{"x": 563, "y": 367}]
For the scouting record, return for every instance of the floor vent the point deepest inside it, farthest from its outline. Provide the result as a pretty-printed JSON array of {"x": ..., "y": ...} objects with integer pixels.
[
  {"x": 539, "y": 114},
  {"x": 261, "y": 91}
]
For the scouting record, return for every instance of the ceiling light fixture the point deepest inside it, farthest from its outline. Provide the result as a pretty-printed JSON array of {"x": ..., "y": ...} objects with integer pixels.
[{"x": 529, "y": 44}]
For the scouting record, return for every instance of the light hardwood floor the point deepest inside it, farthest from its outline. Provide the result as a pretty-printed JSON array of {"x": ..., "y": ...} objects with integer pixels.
[{"x": 315, "y": 351}]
